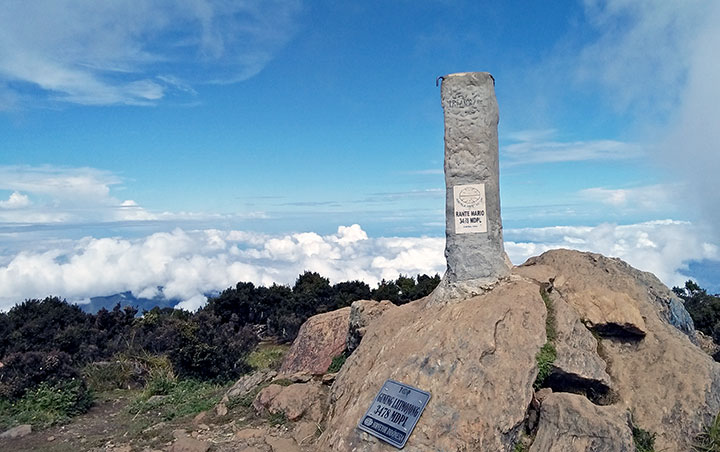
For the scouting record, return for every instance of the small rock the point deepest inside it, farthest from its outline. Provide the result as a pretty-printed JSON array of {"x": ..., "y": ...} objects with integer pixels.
[
  {"x": 198, "y": 419},
  {"x": 299, "y": 377},
  {"x": 179, "y": 433},
  {"x": 264, "y": 397},
  {"x": 203, "y": 427},
  {"x": 249, "y": 382},
  {"x": 328, "y": 379},
  {"x": 282, "y": 444},
  {"x": 17, "y": 432},
  {"x": 156, "y": 399},
  {"x": 221, "y": 409},
  {"x": 542, "y": 394},
  {"x": 189, "y": 445},
  {"x": 123, "y": 448},
  {"x": 304, "y": 432},
  {"x": 50, "y": 438}
]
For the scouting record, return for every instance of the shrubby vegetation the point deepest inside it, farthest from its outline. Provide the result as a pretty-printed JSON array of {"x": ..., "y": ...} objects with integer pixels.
[
  {"x": 50, "y": 349},
  {"x": 703, "y": 308}
]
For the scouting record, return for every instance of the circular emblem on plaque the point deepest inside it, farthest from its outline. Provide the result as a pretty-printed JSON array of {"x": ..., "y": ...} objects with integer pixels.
[
  {"x": 469, "y": 197},
  {"x": 368, "y": 422}
]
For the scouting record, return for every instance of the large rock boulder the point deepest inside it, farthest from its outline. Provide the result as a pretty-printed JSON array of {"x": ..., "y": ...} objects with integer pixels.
[
  {"x": 617, "y": 330},
  {"x": 476, "y": 358},
  {"x": 671, "y": 386},
  {"x": 320, "y": 339}
]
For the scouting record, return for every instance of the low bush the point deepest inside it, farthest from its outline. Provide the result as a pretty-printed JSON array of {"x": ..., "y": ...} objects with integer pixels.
[
  {"x": 26, "y": 370},
  {"x": 48, "y": 404},
  {"x": 337, "y": 363}
]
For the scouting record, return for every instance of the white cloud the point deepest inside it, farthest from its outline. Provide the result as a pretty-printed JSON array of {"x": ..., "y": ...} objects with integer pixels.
[
  {"x": 15, "y": 201},
  {"x": 135, "y": 51},
  {"x": 651, "y": 197},
  {"x": 188, "y": 264},
  {"x": 532, "y": 147},
  {"x": 659, "y": 59},
  {"x": 661, "y": 247}
]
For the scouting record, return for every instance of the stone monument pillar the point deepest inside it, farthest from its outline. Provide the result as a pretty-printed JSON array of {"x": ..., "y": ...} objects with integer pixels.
[{"x": 474, "y": 250}]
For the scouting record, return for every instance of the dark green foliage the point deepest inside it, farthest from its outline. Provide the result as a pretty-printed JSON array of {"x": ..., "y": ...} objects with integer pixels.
[
  {"x": 337, "y": 363},
  {"x": 545, "y": 359},
  {"x": 405, "y": 289},
  {"x": 644, "y": 440},
  {"x": 47, "y": 404},
  {"x": 24, "y": 371},
  {"x": 547, "y": 354},
  {"x": 702, "y": 307}
]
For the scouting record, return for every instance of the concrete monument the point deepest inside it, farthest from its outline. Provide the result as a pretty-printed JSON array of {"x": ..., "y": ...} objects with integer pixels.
[{"x": 474, "y": 250}]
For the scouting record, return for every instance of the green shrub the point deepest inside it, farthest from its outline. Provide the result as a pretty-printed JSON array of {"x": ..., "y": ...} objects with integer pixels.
[
  {"x": 547, "y": 354},
  {"x": 278, "y": 418},
  {"x": 48, "y": 404},
  {"x": 337, "y": 363},
  {"x": 24, "y": 371},
  {"x": 709, "y": 439},
  {"x": 545, "y": 358}
]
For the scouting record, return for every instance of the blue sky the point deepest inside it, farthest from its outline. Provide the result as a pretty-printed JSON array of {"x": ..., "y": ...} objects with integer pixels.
[{"x": 253, "y": 135}]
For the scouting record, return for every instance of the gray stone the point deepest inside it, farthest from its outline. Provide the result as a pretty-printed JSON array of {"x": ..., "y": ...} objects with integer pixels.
[
  {"x": 475, "y": 255},
  {"x": 571, "y": 423},
  {"x": 187, "y": 444},
  {"x": 17, "y": 432},
  {"x": 362, "y": 312},
  {"x": 249, "y": 382}
]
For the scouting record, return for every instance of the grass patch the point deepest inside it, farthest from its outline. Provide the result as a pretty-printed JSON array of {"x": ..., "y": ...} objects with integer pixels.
[
  {"x": 183, "y": 398},
  {"x": 337, "y": 363},
  {"x": 545, "y": 358},
  {"x": 267, "y": 356},
  {"x": 278, "y": 418},
  {"x": 47, "y": 405},
  {"x": 709, "y": 439},
  {"x": 643, "y": 439},
  {"x": 547, "y": 354}
]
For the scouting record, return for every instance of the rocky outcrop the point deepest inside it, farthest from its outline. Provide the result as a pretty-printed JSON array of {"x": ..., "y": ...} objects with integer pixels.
[
  {"x": 571, "y": 423},
  {"x": 578, "y": 367},
  {"x": 320, "y": 339},
  {"x": 670, "y": 384},
  {"x": 362, "y": 312},
  {"x": 476, "y": 358},
  {"x": 617, "y": 331}
]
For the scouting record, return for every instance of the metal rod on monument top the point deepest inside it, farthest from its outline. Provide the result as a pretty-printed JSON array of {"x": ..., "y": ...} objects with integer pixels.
[{"x": 474, "y": 249}]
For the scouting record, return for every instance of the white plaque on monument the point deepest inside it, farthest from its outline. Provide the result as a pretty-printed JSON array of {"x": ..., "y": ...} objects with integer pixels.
[{"x": 469, "y": 207}]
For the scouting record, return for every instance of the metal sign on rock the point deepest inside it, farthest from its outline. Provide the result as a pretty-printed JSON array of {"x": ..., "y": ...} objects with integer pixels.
[{"x": 394, "y": 412}]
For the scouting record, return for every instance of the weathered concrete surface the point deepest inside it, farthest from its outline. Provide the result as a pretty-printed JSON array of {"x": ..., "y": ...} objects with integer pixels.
[
  {"x": 475, "y": 260},
  {"x": 476, "y": 358},
  {"x": 321, "y": 338},
  {"x": 669, "y": 383},
  {"x": 571, "y": 423}
]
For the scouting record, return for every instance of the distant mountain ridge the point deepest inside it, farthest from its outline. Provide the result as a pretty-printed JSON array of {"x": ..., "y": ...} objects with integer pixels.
[{"x": 127, "y": 299}]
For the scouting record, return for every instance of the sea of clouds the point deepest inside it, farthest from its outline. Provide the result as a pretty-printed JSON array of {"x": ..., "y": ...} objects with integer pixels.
[{"x": 186, "y": 264}]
